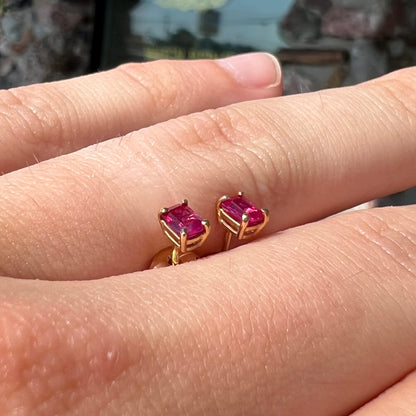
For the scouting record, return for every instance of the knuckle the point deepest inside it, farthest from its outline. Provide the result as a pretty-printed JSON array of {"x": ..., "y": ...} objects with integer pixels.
[
  {"x": 155, "y": 80},
  {"x": 32, "y": 117},
  {"x": 17, "y": 337},
  {"x": 51, "y": 359},
  {"x": 394, "y": 93},
  {"x": 389, "y": 238},
  {"x": 249, "y": 141}
]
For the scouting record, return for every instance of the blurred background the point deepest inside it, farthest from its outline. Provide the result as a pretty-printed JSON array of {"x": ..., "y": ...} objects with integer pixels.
[{"x": 320, "y": 43}]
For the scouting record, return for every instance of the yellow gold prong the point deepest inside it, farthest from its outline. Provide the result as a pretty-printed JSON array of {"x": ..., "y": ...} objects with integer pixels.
[
  {"x": 227, "y": 240},
  {"x": 175, "y": 258},
  {"x": 176, "y": 222},
  {"x": 184, "y": 240},
  {"x": 162, "y": 211},
  {"x": 243, "y": 226},
  {"x": 234, "y": 216},
  {"x": 202, "y": 238}
]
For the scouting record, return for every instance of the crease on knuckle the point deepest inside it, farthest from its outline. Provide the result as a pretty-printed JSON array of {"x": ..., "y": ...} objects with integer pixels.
[
  {"x": 159, "y": 94},
  {"x": 394, "y": 93},
  {"x": 392, "y": 240},
  {"x": 51, "y": 360},
  {"x": 19, "y": 359},
  {"x": 270, "y": 139},
  {"x": 35, "y": 116},
  {"x": 264, "y": 157}
]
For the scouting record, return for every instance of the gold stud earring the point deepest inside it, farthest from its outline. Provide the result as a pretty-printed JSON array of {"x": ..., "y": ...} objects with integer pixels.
[
  {"x": 186, "y": 230},
  {"x": 240, "y": 217}
]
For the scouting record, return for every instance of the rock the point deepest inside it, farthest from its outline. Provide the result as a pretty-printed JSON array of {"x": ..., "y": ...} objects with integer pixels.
[
  {"x": 317, "y": 6},
  {"x": 300, "y": 25},
  {"x": 367, "y": 62},
  {"x": 44, "y": 40},
  {"x": 371, "y": 19},
  {"x": 295, "y": 82},
  {"x": 353, "y": 23},
  {"x": 6, "y": 66}
]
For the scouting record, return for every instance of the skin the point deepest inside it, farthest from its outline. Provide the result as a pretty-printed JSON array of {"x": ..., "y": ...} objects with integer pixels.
[{"x": 317, "y": 319}]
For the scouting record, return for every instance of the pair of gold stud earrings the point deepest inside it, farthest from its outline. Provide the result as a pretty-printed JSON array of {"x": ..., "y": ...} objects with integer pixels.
[{"x": 188, "y": 231}]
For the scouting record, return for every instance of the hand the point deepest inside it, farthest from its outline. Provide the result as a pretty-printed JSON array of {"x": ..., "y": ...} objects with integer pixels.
[{"x": 315, "y": 320}]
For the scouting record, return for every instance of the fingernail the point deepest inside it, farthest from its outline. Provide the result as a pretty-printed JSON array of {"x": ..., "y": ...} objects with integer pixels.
[{"x": 253, "y": 70}]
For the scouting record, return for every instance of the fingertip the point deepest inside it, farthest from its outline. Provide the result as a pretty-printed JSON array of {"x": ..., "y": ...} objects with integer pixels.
[{"x": 257, "y": 70}]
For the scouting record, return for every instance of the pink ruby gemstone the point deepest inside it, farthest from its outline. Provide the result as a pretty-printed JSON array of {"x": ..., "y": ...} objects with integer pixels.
[
  {"x": 181, "y": 217},
  {"x": 236, "y": 206}
]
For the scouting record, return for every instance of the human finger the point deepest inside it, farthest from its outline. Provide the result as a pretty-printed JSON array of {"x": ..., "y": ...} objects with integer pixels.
[
  {"x": 41, "y": 121},
  {"x": 398, "y": 400},
  {"x": 303, "y": 157},
  {"x": 314, "y": 321}
]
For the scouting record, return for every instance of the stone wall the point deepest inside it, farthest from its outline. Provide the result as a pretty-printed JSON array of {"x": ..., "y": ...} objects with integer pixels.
[
  {"x": 374, "y": 36},
  {"x": 44, "y": 40}
]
